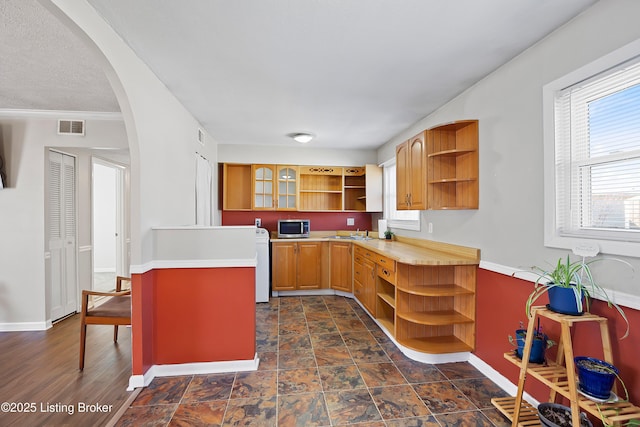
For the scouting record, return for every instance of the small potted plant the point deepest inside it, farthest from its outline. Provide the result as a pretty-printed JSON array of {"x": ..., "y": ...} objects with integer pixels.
[
  {"x": 388, "y": 234},
  {"x": 569, "y": 285},
  {"x": 539, "y": 345}
]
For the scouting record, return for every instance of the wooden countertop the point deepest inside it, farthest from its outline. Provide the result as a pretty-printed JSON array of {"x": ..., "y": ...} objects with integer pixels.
[{"x": 406, "y": 250}]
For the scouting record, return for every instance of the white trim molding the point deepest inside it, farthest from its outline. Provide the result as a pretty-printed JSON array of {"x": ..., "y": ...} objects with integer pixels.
[
  {"x": 199, "y": 368},
  {"x": 193, "y": 263},
  {"x": 7, "y": 113},
  {"x": 621, "y": 298},
  {"x": 25, "y": 326},
  {"x": 499, "y": 379}
]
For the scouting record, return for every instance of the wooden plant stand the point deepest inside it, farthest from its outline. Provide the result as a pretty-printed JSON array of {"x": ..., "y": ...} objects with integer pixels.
[{"x": 560, "y": 376}]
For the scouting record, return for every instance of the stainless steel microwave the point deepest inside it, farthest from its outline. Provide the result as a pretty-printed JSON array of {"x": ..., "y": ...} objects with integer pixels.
[{"x": 293, "y": 228}]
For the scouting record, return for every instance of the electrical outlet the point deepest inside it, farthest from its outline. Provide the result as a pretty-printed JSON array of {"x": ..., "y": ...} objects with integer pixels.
[
  {"x": 351, "y": 221},
  {"x": 258, "y": 222},
  {"x": 430, "y": 228}
]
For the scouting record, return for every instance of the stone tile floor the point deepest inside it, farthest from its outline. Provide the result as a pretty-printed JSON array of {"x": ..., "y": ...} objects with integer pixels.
[{"x": 323, "y": 362}]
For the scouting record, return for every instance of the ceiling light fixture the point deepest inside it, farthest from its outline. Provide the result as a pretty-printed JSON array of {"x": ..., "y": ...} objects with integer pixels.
[{"x": 302, "y": 138}]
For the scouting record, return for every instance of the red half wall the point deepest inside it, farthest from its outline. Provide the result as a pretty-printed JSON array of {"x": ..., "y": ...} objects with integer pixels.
[{"x": 500, "y": 309}]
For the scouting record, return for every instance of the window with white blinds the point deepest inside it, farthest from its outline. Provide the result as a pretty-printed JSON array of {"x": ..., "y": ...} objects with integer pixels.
[
  {"x": 592, "y": 155},
  {"x": 598, "y": 155}
]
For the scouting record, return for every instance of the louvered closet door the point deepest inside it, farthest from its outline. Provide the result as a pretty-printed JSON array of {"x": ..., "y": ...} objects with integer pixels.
[{"x": 62, "y": 234}]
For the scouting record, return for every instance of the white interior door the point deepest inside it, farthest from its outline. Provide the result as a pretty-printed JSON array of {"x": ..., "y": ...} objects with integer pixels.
[
  {"x": 108, "y": 224},
  {"x": 62, "y": 234}
]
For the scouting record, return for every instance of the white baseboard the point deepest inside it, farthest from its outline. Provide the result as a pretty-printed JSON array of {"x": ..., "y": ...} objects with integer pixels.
[
  {"x": 25, "y": 326},
  {"x": 499, "y": 379},
  {"x": 104, "y": 270},
  {"x": 200, "y": 368}
]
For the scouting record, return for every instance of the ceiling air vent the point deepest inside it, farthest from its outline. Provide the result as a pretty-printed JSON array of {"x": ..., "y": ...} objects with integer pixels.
[
  {"x": 200, "y": 136},
  {"x": 71, "y": 127}
]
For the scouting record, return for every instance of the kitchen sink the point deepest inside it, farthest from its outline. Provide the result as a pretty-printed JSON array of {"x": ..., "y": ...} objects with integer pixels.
[{"x": 355, "y": 237}]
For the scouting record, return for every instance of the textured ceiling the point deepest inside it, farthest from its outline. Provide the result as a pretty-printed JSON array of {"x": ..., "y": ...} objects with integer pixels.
[
  {"x": 354, "y": 72},
  {"x": 44, "y": 66}
]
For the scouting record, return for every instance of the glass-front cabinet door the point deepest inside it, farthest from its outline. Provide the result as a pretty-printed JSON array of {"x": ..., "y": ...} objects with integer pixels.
[
  {"x": 263, "y": 187},
  {"x": 287, "y": 180}
]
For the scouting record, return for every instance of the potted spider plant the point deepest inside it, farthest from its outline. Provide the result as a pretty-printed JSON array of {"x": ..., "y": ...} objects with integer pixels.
[{"x": 570, "y": 284}]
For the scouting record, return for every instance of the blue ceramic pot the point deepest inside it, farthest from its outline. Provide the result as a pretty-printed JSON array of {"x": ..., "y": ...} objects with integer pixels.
[
  {"x": 595, "y": 376},
  {"x": 538, "y": 346},
  {"x": 563, "y": 300}
]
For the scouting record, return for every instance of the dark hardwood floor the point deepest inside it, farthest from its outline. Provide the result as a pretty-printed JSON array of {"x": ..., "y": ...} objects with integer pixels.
[{"x": 39, "y": 372}]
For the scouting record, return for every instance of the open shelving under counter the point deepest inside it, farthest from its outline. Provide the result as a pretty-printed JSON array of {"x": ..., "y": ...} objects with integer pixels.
[{"x": 425, "y": 297}]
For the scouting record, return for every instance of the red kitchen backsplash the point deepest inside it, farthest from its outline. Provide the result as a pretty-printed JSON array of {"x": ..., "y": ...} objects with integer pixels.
[{"x": 320, "y": 221}]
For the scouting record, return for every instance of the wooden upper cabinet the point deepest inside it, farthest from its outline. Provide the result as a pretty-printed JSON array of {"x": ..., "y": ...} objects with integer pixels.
[
  {"x": 411, "y": 174},
  {"x": 301, "y": 188},
  {"x": 237, "y": 190},
  {"x": 452, "y": 162},
  {"x": 402, "y": 170},
  {"x": 363, "y": 188},
  {"x": 263, "y": 187},
  {"x": 320, "y": 188},
  {"x": 287, "y": 188}
]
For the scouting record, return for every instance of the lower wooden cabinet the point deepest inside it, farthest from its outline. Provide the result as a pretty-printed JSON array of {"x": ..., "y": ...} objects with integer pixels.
[
  {"x": 428, "y": 308},
  {"x": 341, "y": 261},
  {"x": 296, "y": 265},
  {"x": 364, "y": 281}
]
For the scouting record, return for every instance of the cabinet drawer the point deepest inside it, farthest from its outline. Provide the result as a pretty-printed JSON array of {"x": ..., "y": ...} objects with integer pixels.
[
  {"x": 387, "y": 274},
  {"x": 365, "y": 253},
  {"x": 385, "y": 262},
  {"x": 358, "y": 271}
]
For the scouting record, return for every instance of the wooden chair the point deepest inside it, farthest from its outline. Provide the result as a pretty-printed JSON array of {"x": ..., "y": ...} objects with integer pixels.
[{"x": 116, "y": 310}]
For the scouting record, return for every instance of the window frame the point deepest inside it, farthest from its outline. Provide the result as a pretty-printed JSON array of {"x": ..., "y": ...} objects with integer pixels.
[
  {"x": 552, "y": 236},
  {"x": 390, "y": 203}
]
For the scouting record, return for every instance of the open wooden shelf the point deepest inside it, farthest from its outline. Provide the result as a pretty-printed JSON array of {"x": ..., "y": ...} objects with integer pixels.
[
  {"x": 448, "y": 180},
  {"x": 528, "y": 414},
  {"x": 451, "y": 153},
  {"x": 387, "y": 323},
  {"x": 438, "y": 290},
  {"x": 436, "y": 344},
  {"x": 434, "y": 318},
  {"x": 452, "y": 165},
  {"x": 560, "y": 375},
  {"x": 389, "y": 299}
]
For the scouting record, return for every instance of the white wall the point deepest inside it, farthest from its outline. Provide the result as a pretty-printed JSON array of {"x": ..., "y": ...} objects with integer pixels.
[
  {"x": 162, "y": 134},
  {"x": 22, "y": 211},
  {"x": 294, "y": 155},
  {"x": 508, "y": 227}
]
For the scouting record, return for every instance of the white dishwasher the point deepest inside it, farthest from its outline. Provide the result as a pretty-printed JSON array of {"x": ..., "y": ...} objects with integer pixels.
[{"x": 262, "y": 267}]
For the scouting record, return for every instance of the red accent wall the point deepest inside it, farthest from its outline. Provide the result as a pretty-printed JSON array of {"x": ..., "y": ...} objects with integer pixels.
[
  {"x": 186, "y": 315},
  {"x": 202, "y": 315},
  {"x": 142, "y": 313},
  {"x": 320, "y": 221},
  {"x": 500, "y": 307}
]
